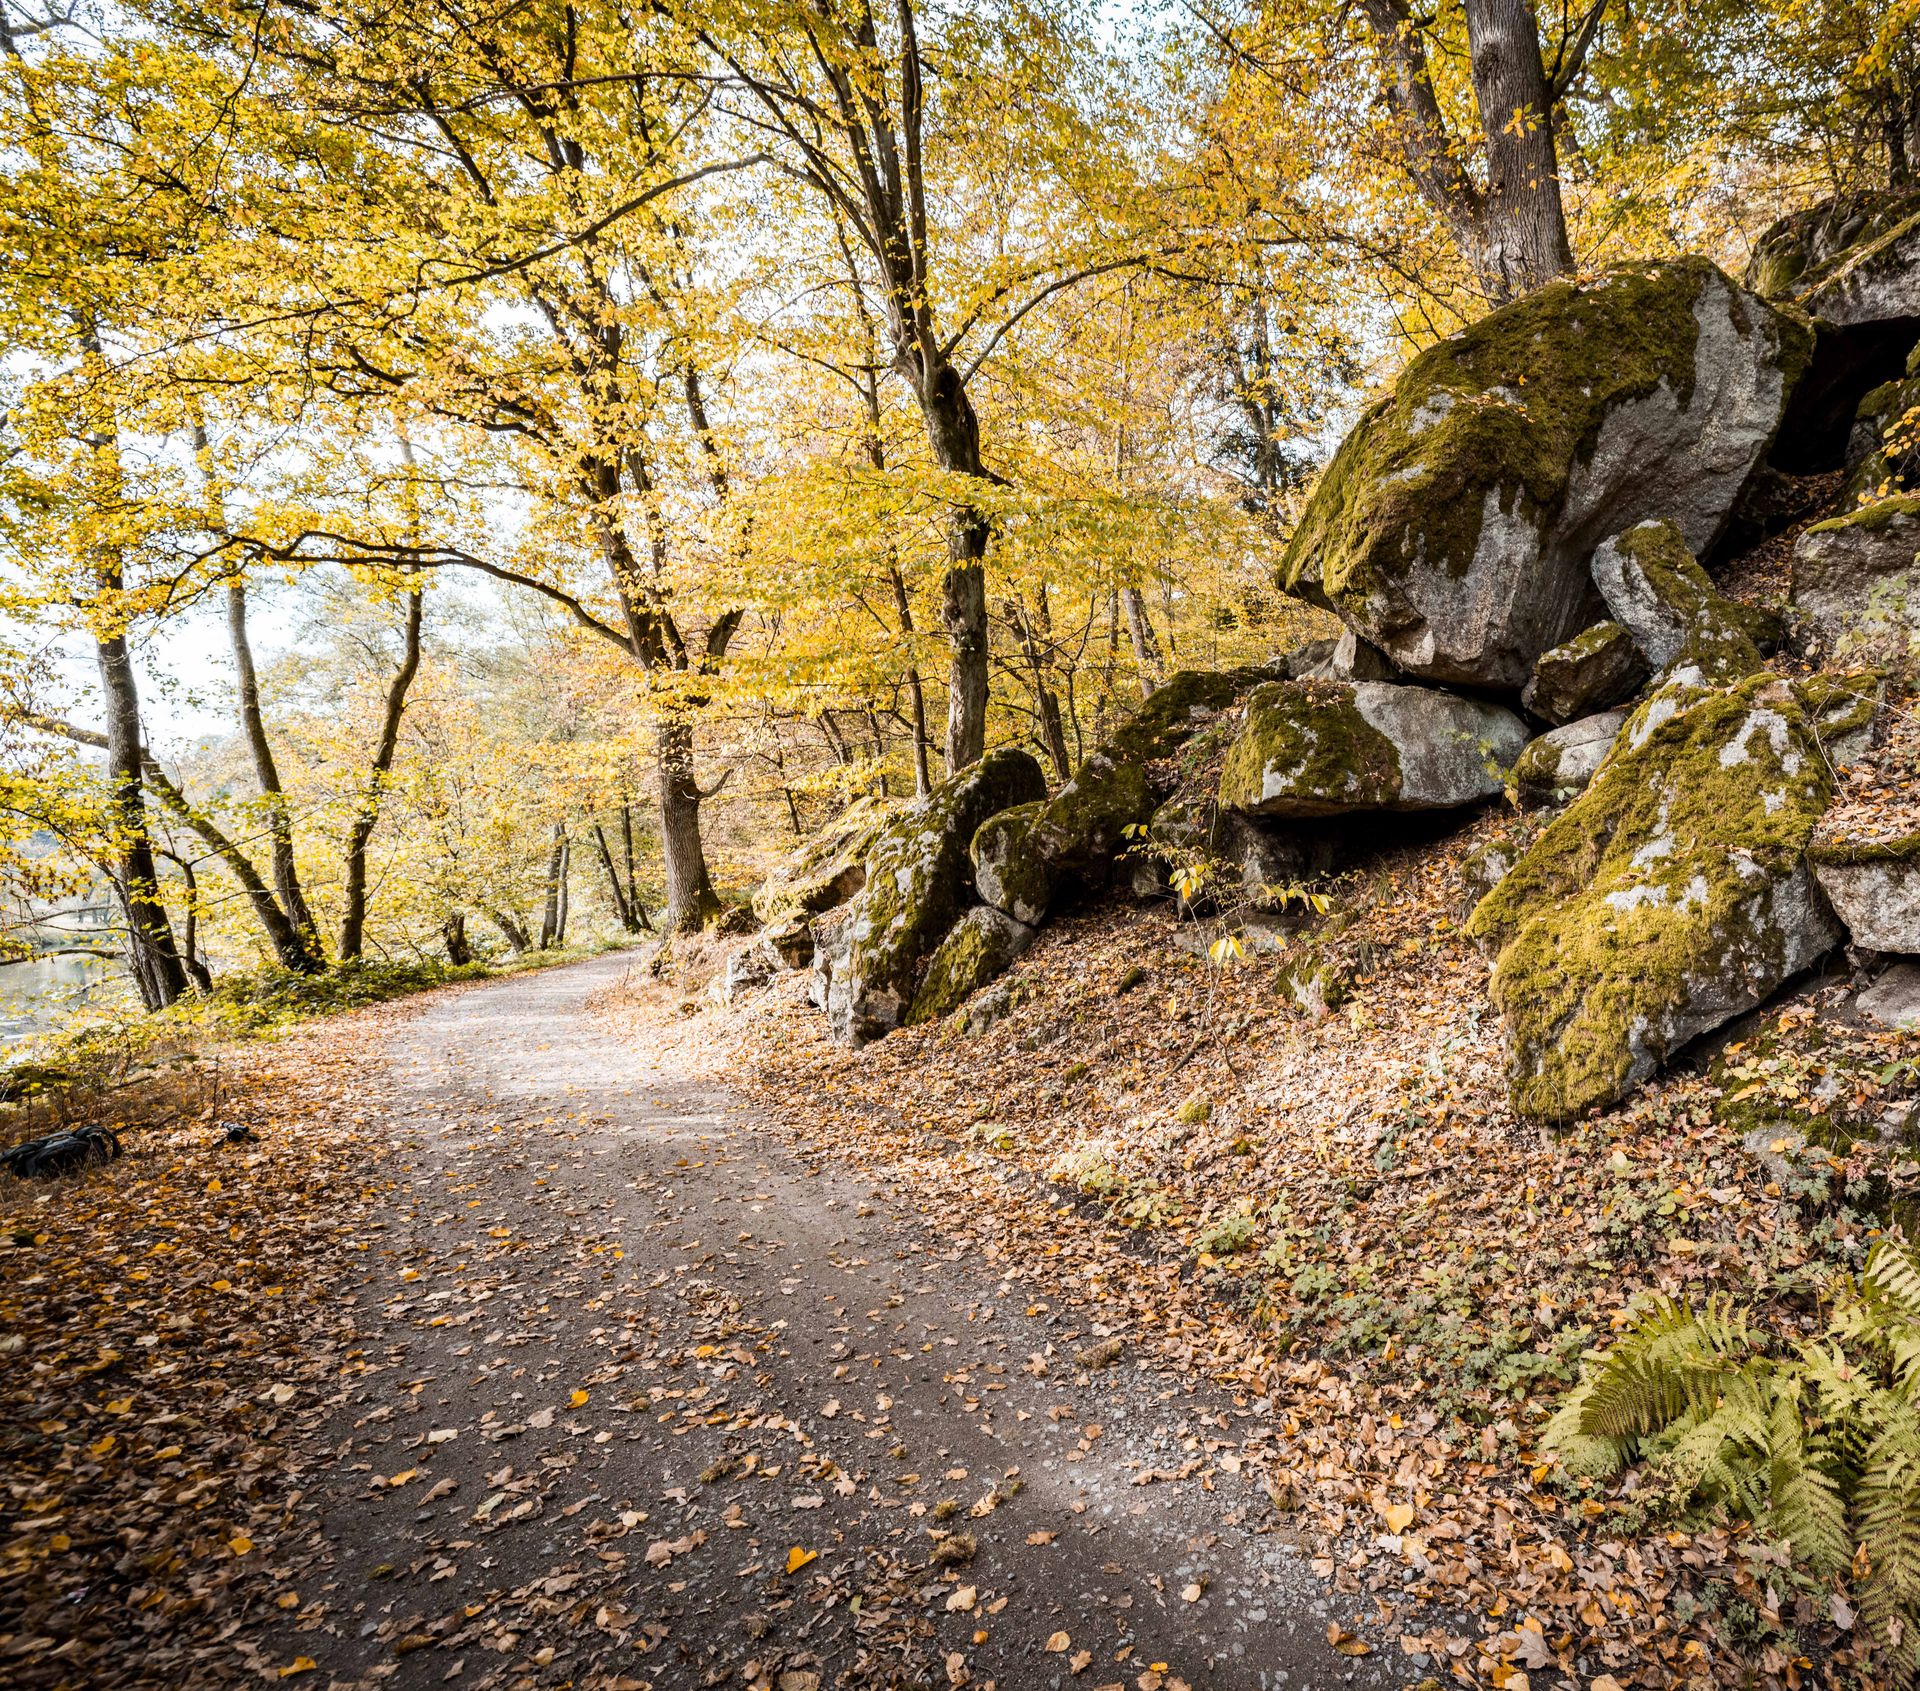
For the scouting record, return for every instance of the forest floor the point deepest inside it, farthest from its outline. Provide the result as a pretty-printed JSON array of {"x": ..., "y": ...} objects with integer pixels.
[{"x": 517, "y": 1350}]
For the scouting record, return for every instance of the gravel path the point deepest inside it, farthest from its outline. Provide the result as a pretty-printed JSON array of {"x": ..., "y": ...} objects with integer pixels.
[{"x": 651, "y": 1398}]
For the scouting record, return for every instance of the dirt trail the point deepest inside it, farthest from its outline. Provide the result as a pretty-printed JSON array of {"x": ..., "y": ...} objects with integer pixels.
[{"x": 654, "y": 1399}]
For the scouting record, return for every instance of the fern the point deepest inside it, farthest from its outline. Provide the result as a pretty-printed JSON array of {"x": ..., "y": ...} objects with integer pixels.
[{"x": 1818, "y": 1445}]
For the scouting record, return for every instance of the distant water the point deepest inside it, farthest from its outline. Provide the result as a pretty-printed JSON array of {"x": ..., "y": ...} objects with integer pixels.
[{"x": 33, "y": 996}]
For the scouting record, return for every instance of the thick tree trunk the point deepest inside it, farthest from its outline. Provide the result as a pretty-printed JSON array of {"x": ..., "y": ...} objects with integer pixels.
[
  {"x": 253, "y": 728},
  {"x": 1523, "y": 225},
  {"x": 155, "y": 963},
  {"x": 453, "y": 933},
  {"x": 691, "y": 900},
  {"x": 353, "y": 921}
]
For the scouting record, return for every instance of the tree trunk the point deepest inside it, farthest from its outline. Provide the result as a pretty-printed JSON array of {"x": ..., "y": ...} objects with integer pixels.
[
  {"x": 691, "y": 900},
  {"x": 1146, "y": 644},
  {"x": 550, "y": 911},
  {"x": 353, "y": 921},
  {"x": 622, "y": 908},
  {"x": 190, "y": 958},
  {"x": 453, "y": 932},
  {"x": 566, "y": 887},
  {"x": 155, "y": 963},
  {"x": 253, "y": 727},
  {"x": 1523, "y": 226},
  {"x": 916, "y": 693},
  {"x": 512, "y": 930}
]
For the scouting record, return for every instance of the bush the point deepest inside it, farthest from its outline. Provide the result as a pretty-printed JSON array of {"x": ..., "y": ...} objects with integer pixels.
[{"x": 1816, "y": 1442}]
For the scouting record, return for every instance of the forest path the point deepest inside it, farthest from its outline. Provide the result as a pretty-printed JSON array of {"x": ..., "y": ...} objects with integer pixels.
[{"x": 656, "y": 1399}]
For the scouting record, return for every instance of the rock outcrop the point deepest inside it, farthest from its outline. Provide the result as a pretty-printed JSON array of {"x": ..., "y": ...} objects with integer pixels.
[
  {"x": 1673, "y": 894},
  {"x": 1856, "y": 581},
  {"x": 1328, "y": 748},
  {"x": 1598, "y": 668},
  {"x": 1883, "y": 445},
  {"x": 918, "y": 881},
  {"x": 1677, "y": 617},
  {"x": 1561, "y": 763},
  {"x": 1026, "y": 857},
  {"x": 1807, "y": 250},
  {"x": 978, "y": 948},
  {"x": 1453, "y": 527}
]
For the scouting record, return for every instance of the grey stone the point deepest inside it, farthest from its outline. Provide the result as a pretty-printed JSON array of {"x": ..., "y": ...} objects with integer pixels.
[
  {"x": 978, "y": 948},
  {"x": 1874, "y": 888},
  {"x": 1598, "y": 668},
  {"x": 1856, "y": 582},
  {"x": 1561, "y": 763},
  {"x": 1894, "y": 999},
  {"x": 1651, "y": 582}
]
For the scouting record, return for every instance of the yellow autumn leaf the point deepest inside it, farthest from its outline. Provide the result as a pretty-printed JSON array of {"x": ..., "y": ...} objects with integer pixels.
[
  {"x": 239, "y": 1544},
  {"x": 798, "y": 1558},
  {"x": 1399, "y": 1517},
  {"x": 578, "y": 1398},
  {"x": 299, "y": 1664}
]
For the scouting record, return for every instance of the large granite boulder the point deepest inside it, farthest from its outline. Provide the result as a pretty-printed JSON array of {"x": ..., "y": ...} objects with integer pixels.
[
  {"x": 1561, "y": 763},
  {"x": 1453, "y": 527},
  {"x": 978, "y": 948},
  {"x": 1677, "y": 617},
  {"x": 1026, "y": 857},
  {"x": 1327, "y": 748},
  {"x": 918, "y": 881},
  {"x": 828, "y": 870},
  {"x": 1672, "y": 895},
  {"x": 1598, "y": 668},
  {"x": 1856, "y": 581}
]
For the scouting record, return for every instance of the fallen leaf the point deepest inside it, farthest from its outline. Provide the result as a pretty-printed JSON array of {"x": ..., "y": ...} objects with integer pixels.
[{"x": 798, "y": 1558}]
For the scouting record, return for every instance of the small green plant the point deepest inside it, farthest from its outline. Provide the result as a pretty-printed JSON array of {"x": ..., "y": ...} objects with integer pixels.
[
  {"x": 1197, "y": 1109},
  {"x": 1816, "y": 1442},
  {"x": 1227, "y": 1235},
  {"x": 1089, "y": 1169}
]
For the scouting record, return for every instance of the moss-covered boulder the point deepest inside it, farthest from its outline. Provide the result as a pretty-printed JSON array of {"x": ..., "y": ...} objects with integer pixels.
[
  {"x": 1847, "y": 708},
  {"x": 1594, "y": 671},
  {"x": 828, "y": 870},
  {"x": 1672, "y": 895},
  {"x": 1561, "y": 763},
  {"x": 979, "y": 948},
  {"x": 1677, "y": 617},
  {"x": 1024, "y": 859},
  {"x": 1326, "y": 748},
  {"x": 1802, "y": 255},
  {"x": 1872, "y": 879},
  {"x": 1453, "y": 527},
  {"x": 918, "y": 881},
  {"x": 1856, "y": 581}
]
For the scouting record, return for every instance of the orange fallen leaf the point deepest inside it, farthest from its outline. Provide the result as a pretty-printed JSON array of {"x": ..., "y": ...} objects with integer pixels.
[{"x": 798, "y": 1558}]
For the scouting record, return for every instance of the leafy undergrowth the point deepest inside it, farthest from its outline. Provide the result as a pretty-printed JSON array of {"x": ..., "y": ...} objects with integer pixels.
[{"x": 1342, "y": 1219}]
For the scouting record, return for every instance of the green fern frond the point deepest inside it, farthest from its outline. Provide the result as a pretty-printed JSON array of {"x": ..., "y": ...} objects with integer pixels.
[{"x": 1590, "y": 1456}]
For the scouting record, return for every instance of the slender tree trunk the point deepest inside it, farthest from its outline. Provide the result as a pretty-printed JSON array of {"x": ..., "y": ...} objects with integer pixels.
[
  {"x": 916, "y": 693},
  {"x": 626, "y": 840},
  {"x": 353, "y": 921},
  {"x": 1523, "y": 218},
  {"x": 253, "y": 728},
  {"x": 1146, "y": 644},
  {"x": 190, "y": 958},
  {"x": 622, "y": 908},
  {"x": 691, "y": 900},
  {"x": 566, "y": 887},
  {"x": 156, "y": 966}
]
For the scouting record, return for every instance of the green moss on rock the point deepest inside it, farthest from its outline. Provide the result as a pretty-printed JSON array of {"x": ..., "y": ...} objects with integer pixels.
[
  {"x": 1679, "y": 619},
  {"x": 977, "y": 949},
  {"x": 828, "y": 870},
  {"x": 1324, "y": 748},
  {"x": 1475, "y": 472},
  {"x": 1024, "y": 860},
  {"x": 1670, "y": 896},
  {"x": 917, "y": 875}
]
